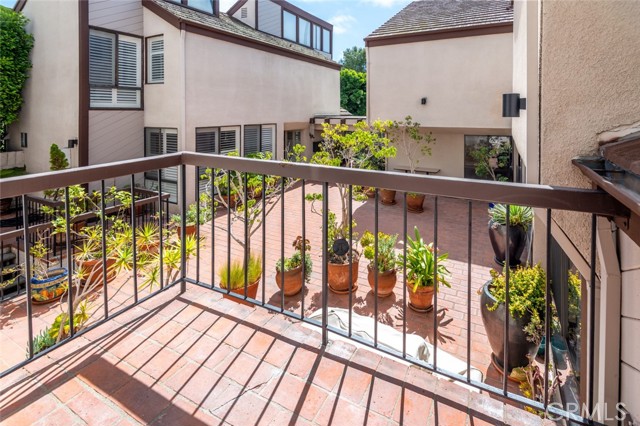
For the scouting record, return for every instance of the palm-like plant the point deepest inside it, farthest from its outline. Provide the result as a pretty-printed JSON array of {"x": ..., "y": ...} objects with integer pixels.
[{"x": 421, "y": 263}]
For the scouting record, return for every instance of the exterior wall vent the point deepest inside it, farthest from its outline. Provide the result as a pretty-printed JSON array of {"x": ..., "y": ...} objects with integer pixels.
[{"x": 243, "y": 13}]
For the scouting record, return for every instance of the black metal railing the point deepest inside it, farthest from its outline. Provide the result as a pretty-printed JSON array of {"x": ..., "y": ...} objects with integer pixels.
[{"x": 279, "y": 182}]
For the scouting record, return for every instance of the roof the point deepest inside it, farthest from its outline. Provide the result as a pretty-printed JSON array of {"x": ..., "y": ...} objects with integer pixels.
[
  {"x": 230, "y": 26},
  {"x": 427, "y": 16}
]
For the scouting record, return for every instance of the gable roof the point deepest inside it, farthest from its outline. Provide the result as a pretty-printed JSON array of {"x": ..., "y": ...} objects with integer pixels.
[
  {"x": 447, "y": 18},
  {"x": 229, "y": 29}
]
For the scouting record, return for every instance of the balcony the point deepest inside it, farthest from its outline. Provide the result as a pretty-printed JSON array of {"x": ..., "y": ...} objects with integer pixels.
[{"x": 178, "y": 348}]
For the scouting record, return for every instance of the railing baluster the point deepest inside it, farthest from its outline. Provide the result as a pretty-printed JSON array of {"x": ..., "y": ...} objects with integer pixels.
[
  {"x": 183, "y": 228},
  {"x": 229, "y": 198},
  {"x": 404, "y": 275},
  {"x": 375, "y": 269},
  {"x": 325, "y": 248},
  {"x": 264, "y": 236},
  {"x": 507, "y": 266},
  {"x": 103, "y": 225},
  {"x": 213, "y": 231},
  {"x": 592, "y": 316},
  {"x": 304, "y": 250},
  {"x": 350, "y": 255},
  {"x": 247, "y": 249},
  {"x": 27, "y": 278},
  {"x": 134, "y": 268},
  {"x": 435, "y": 283},
  {"x": 282, "y": 278},
  {"x": 67, "y": 217},
  {"x": 469, "y": 248},
  {"x": 547, "y": 313},
  {"x": 160, "y": 230},
  {"x": 197, "y": 193}
]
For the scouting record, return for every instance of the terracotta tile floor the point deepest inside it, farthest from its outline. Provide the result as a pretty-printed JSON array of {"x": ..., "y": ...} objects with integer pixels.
[{"x": 197, "y": 359}]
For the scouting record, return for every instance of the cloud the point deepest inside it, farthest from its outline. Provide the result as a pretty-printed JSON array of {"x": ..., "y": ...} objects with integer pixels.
[
  {"x": 342, "y": 23},
  {"x": 384, "y": 3}
]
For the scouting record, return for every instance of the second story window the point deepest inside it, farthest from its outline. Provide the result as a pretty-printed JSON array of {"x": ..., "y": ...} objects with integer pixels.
[
  {"x": 326, "y": 40},
  {"x": 155, "y": 59},
  {"x": 114, "y": 70},
  {"x": 317, "y": 37},
  {"x": 289, "y": 26},
  {"x": 304, "y": 32}
]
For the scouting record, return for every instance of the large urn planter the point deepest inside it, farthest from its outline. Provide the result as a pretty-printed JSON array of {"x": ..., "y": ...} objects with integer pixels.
[
  {"x": 415, "y": 203},
  {"x": 520, "y": 349},
  {"x": 50, "y": 288},
  {"x": 387, "y": 197},
  {"x": 338, "y": 277},
  {"x": 93, "y": 270},
  {"x": 515, "y": 247},
  {"x": 386, "y": 281},
  {"x": 252, "y": 292},
  {"x": 420, "y": 300},
  {"x": 293, "y": 280}
]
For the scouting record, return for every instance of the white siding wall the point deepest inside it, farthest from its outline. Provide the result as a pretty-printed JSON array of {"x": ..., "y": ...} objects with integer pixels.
[
  {"x": 250, "y": 8},
  {"x": 269, "y": 17},
  {"x": 118, "y": 15},
  {"x": 630, "y": 326}
]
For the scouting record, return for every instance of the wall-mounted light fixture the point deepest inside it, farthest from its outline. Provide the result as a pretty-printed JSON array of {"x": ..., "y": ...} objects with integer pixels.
[
  {"x": 423, "y": 101},
  {"x": 512, "y": 103},
  {"x": 71, "y": 143}
]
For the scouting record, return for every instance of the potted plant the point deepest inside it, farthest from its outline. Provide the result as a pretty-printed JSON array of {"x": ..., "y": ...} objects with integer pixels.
[
  {"x": 386, "y": 261},
  {"x": 148, "y": 237},
  {"x": 291, "y": 276},
  {"x": 413, "y": 144},
  {"x": 89, "y": 253},
  {"x": 192, "y": 218},
  {"x": 47, "y": 284},
  {"x": 232, "y": 277},
  {"x": 526, "y": 314},
  {"x": 422, "y": 271},
  {"x": 520, "y": 219}
]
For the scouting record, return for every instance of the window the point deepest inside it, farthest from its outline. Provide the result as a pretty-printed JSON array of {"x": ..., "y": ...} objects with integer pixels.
[
  {"x": 158, "y": 142},
  {"x": 317, "y": 37},
  {"x": 326, "y": 40},
  {"x": 207, "y": 143},
  {"x": 23, "y": 140},
  {"x": 258, "y": 139},
  {"x": 155, "y": 59},
  {"x": 488, "y": 157},
  {"x": 304, "y": 32},
  {"x": 291, "y": 139},
  {"x": 203, "y": 5},
  {"x": 114, "y": 70},
  {"x": 289, "y": 25}
]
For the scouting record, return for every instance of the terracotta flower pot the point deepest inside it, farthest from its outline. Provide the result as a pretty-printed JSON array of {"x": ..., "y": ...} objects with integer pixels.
[
  {"x": 386, "y": 281},
  {"x": 415, "y": 202},
  {"x": 387, "y": 197},
  {"x": 150, "y": 248},
  {"x": 252, "y": 292},
  {"x": 190, "y": 230},
  {"x": 422, "y": 299},
  {"x": 370, "y": 192},
  {"x": 231, "y": 201},
  {"x": 338, "y": 277},
  {"x": 93, "y": 270},
  {"x": 292, "y": 281}
]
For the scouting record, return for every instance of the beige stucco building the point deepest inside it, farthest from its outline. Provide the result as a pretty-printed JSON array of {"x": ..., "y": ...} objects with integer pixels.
[
  {"x": 446, "y": 64},
  {"x": 145, "y": 77}
]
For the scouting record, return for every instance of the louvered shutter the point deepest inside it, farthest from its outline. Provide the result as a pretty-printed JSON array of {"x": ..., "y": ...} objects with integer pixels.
[
  {"x": 156, "y": 60},
  {"x": 206, "y": 143},
  {"x": 228, "y": 141},
  {"x": 128, "y": 71},
  {"x": 158, "y": 142},
  {"x": 267, "y": 139},
  {"x": 251, "y": 140},
  {"x": 101, "y": 69}
]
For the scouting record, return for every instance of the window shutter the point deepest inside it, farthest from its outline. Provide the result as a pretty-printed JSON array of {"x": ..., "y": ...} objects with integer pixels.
[
  {"x": 128, "y": 62},
  {"x": 156, "y": 60},
  {"x": 101, "y": 56},
  {"x": 267, "y": 139},
  {"x": 206, "y": 140},
  {"x": 227, "y": 141},
  {"x": 251, "y": 140}
]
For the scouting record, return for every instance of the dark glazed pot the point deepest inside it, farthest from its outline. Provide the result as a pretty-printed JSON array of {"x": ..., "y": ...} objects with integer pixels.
[
  {"x": 517, "y": 243},
  {"x": 519, "y": 347}
]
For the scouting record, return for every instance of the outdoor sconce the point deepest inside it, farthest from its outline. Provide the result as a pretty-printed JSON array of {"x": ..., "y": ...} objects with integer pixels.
[
  {"x": 423, "y": 101},
  {"x": 512, "y": 103},
  {"x": 72, "y": 143}
]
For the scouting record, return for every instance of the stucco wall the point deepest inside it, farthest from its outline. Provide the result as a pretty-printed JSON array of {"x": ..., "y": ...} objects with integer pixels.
[
  {"x": 589, "y": 85},
  {"x": 525, "y": 82},
  {"x": 463, "y": 80},
  {"x": 228, "y": 84},
  {"x": 630, "y": 325},
  {"x": 50, "y": 110}
]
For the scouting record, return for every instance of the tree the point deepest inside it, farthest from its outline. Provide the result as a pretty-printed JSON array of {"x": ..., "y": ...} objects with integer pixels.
[
  {"x": 354, "y": 58},
  {"x": 353, "y": 91},
  {"x": 493, "y": 158},
  {"x": 406, "y": 135},
  {"x": 14, "y": 64}
]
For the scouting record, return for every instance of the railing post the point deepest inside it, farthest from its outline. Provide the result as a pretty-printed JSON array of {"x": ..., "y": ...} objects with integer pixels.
[
  {"x": 325, "y": 259},
  {"x": 27, "y": 275},
  {"x": 183, "y": 228}
]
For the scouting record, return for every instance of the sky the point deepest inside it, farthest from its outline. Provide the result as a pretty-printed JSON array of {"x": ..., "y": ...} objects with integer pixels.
[{"x": 352, "y": 20}]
